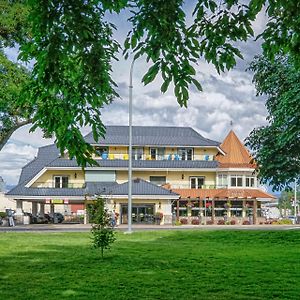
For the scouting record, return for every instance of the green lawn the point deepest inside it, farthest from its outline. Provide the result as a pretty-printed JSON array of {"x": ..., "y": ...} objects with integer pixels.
[{"x": 152, "y": 265}]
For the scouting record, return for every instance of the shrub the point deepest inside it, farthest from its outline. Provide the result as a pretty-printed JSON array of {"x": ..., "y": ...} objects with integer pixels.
[
  {"x": 195, "y": 222},
  {"x": 184, "y": 221},
  {"x": 246, "y": 223},
  {"x": 221, "y": 222},
  {"x": 285, "y": 222},
  {"x": 2, "y": 214},
  {"x": 232, "y": 222},
  {"x": 209, "y": 222}
]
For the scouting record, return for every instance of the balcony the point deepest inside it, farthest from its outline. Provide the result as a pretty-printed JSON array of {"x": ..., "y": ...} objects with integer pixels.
[
  {"x": 171, "y": 156},
  {"x": 51, "y": 185}
]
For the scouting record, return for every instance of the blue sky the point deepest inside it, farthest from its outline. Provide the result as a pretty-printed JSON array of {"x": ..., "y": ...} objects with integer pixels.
[{"x": 226, "y": 97}]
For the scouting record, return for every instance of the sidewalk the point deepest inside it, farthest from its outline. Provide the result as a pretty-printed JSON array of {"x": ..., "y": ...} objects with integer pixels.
[{"x": 141, "y": 227}]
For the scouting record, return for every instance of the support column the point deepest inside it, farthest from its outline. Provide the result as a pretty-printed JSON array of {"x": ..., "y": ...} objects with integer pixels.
[
  {"x": 228, "y": 210},
  {"x": 244, "y": 209},
  {"x": 254, "y": 211},
  {"x": 177, "y": 210},
  {"x": 19, "y": 208},
  {"x": 51, "y": 209},
  {"x": 213, "y": 215},
  {"x": 200, "y": 208},
  {"x": 42, "y": 209},
  {"x": 34, "y": 208}
]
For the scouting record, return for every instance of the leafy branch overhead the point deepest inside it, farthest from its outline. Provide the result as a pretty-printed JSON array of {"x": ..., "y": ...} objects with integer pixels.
[
  {"x": 276, "y": 146},
  {"x": 73, "y": 46}
]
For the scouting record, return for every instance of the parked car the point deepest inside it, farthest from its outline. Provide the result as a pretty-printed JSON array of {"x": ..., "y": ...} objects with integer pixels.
[{"x": 56, "y": 218}]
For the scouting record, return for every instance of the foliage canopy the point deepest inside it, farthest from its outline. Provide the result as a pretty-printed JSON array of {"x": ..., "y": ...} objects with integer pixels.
[
  {"x": 73, "y": 47},
  {"x": 277, "y": 145}
]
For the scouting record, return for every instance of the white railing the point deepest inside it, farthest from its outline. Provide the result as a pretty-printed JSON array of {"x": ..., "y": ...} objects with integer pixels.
[
  {"x": 171, "y": 156},
  {"x": 70, "y": 185}
]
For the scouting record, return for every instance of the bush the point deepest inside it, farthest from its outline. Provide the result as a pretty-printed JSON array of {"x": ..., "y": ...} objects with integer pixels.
[
  {"x": 283, "y": 222},
  {"x": 184, "y": 221},
  {"x": 221, "y": 222},
  {"x": 195, "y": 222},
  {"x": 246, "y": 223},
  {"x": 2, "y": 214},
  {"x": 232, "y": 222},
  {"x": 209, "y": 222}
]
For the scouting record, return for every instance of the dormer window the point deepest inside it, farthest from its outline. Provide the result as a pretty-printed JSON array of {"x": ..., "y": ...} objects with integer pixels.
[{"x": 61, "y": 182}]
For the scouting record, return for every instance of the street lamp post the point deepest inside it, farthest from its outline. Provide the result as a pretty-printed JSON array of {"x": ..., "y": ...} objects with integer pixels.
[
  {"x": 295, "y": 202},
  {"x": 129, "y": 211}
]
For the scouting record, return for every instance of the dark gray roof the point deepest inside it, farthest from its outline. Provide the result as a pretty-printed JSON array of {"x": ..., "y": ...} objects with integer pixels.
[
  {"x": 45, "y": 155},
  {"x": 139, "y": 187},
  {"x": 152, "y": 136},
  {"x": 151, "y": 164}
]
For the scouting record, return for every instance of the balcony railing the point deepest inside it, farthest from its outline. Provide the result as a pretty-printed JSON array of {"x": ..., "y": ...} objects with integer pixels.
[
  {"x": 171, "y": 156},
  {"x": 70, "y": 185}
]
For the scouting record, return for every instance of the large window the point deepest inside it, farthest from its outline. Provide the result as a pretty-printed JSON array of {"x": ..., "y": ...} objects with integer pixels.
[
  {"x": 61, "y": 182},
  {"x": 157, "y": 153},
  {"x": 158, "y": 180},
  {"x": 196, "y": 182},
  {"x": 185, "y": 153},
  {"x": 250, "y": 181},
  {"x": 236, "y": 180},
  {"x": 222, "y": 180},
  {"x": 137, "y": 153}
]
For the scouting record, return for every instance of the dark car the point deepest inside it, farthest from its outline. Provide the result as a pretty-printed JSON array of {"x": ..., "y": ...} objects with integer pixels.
[{"x": 56, "y": 218}]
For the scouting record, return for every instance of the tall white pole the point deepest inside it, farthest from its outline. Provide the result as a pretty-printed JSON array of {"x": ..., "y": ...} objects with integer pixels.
[
  {"x": 295, "y": 201},
  {"x": 129, "y": 212}
]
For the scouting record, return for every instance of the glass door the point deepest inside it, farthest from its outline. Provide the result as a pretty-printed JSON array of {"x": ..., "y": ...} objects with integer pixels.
[{"x": 141, "y": 214}]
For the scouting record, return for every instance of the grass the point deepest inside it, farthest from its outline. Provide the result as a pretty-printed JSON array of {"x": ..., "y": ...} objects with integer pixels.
[{"x": 152, "y": 265}]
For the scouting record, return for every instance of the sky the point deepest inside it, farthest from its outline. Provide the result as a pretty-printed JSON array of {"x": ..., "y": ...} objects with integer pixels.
[{"x": 227, "y": 97}]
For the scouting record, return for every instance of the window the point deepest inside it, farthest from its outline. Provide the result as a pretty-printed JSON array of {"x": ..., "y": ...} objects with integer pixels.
[
  {"x": 185, "y": 153},
  {"x": 137, "y": 153},
  {"x": 61, "y": 182},
  {"x": 236, "y": 180},
  {"x": 196, "y": 182},
  {"x": 157, "y": 153},
  {"x": 158, "y": 180},
  {"x": 250, "y": 181},
  {"x": 101, "y": 150},
  {"x": 222, "y": 180}
]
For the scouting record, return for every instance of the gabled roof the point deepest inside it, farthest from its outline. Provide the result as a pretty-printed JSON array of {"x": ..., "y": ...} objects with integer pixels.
[
  {"x": 141, "y": 187},
  {"x": 152, "y": 136},
  {"x": 236, "y": 154}
]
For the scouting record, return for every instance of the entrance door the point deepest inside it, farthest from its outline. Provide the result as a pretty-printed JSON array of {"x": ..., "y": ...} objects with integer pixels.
[{"x": 141, "y": 214}]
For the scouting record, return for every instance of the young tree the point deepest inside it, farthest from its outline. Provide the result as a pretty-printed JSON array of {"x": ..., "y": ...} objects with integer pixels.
[
  {"x": 276, "y": 146},
  {"x": 73, "y": 47},
  {"x": 102, "y": 230}
]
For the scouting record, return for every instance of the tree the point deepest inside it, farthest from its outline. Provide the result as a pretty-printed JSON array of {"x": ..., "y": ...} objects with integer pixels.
[
  {"x": 276, "y": 146},
  {"x": 13, "y": 78},
  {"x": 102, "y": 230},
  {"x": 73, "y": 47},
  {"x": 284, "y": 202},
  {"x": 14, "y": 29}
]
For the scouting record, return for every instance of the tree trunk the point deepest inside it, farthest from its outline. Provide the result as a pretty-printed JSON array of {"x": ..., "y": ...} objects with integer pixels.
[{"x": 5, "y": 136}]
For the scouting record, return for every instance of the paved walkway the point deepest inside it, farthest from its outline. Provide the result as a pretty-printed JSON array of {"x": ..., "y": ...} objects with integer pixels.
[{"x": 141, "y": 227}]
